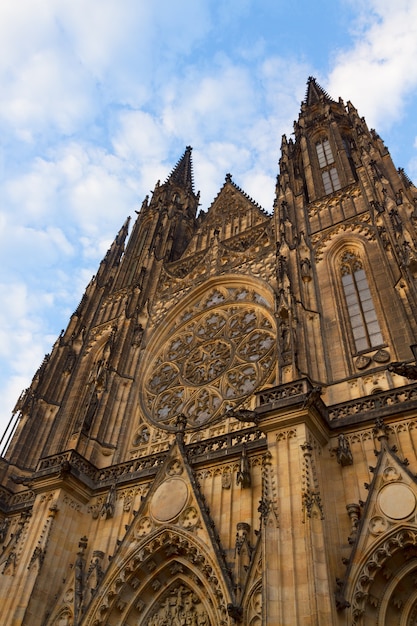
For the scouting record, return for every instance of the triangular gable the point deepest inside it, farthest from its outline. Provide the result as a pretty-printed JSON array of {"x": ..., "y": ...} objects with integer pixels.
[
  {"x": 230, "y": 200},
  {"x": 387, "y": 525},
  {"x": 234, "y": 226},
  {"x": 170, "y": 562}
]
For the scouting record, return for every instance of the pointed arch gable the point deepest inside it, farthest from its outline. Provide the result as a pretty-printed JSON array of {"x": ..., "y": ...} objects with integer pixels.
[
  {"x": 169, "y": 562},
  {"x": 371, "y": 590}
]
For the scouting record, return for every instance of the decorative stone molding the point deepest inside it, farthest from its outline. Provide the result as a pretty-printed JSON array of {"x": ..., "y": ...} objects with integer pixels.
[
  {"x": 402, "y": 396},
  {"x": 361, "y": 227},
  {"x": 209, "y": 361},
  {"x": 141, "y": 570},
  {"x": 398, "y": 540},
  {"x": 311, "y": 500},
  {"x": 343, "y": 451}
]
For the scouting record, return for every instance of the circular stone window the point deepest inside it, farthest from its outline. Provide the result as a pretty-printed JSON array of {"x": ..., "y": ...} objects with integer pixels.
[{"x": 210, "y": 359}]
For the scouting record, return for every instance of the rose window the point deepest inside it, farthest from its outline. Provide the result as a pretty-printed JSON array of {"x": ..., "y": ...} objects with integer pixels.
[{"x": 219, "y": 352}]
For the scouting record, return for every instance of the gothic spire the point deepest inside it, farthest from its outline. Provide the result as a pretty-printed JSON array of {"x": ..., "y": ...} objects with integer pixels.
[
  {"x": 182, "y": 174},
  {"x": 315, "y": 92},
  {"x": 116, "y": 249}
]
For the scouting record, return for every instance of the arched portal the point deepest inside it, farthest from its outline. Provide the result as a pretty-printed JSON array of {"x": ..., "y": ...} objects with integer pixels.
[
  {"x": 385, "y": 588},
  {"x": 169, "y": 579}
]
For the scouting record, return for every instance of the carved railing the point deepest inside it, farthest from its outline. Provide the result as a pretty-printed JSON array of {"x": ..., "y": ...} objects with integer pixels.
[
  {"x": 112, "y": 473},
  {"x": 225, "y": 443},
  {"x": 276, "y": 395},
  {"x": 381, "y": 401},
  {"x": 57, "y": 461},
  {"x": 23, "y": 497},
  {"x": 125, "y": 470},
  {"x": 148, "y": 465}
]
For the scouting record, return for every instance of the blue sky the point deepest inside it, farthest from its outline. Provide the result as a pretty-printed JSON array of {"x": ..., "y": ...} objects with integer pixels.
[{"x": 100, "y": 98}]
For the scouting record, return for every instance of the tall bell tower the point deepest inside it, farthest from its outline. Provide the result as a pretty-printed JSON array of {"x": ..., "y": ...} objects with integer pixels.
[
  {"x": 88, "y": 375},
  {"x": 346, "y": 244}
]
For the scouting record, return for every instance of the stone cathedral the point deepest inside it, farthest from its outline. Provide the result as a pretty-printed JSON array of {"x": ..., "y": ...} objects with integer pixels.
[{"x": 226, "y": 432}]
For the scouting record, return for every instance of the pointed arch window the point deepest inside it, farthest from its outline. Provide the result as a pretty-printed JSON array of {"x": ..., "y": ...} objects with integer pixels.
[
  {"x": 329, "y": 173},
  {"x": 361, "y": 309}
]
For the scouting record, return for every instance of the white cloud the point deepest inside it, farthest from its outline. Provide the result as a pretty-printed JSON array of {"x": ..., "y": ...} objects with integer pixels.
[
  {"x": 140, "y": 136},
  {"x": 378, "y": 72},
  {"x": 46, "y": 91},
  {"x": 74, "y": 56}
]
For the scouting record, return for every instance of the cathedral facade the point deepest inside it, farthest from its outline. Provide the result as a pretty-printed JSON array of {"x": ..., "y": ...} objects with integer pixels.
[{"x": 226, "y": 431}]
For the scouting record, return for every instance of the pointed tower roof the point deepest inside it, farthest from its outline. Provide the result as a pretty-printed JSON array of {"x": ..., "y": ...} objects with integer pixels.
[
  {"x": 182, "y": 174},
  {"x": 119, "y": 240},
  {"x": 122, "y": 234},
  {"x": 315, "y": 92}
]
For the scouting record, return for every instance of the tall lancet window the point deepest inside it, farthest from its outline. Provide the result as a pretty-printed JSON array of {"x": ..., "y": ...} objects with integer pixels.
[
  {"x": 329, "y": 173},
  {"x": 362, "y": 315}
]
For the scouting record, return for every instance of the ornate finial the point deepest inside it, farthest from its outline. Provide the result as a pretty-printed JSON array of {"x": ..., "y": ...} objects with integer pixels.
[
  {"x": 228, "y": 178},
  {"x": 380, "y": 430},
  {"x": 181, "y": 421},
  {"x": 182, "y": 174},
  {"x": 343, "y": 451},
  {"x": 181, "y": 424}
]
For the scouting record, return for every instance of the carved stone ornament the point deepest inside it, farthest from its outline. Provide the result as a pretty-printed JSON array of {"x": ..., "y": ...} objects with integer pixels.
[
  {"x": 343, "y": 451},
  {"x": 226, "y": 480},
  {"x": 220, "y": 351},
  {"x": 180, "y": 606},
  {"x": 382, "y": 356},
  {"x": 354, "y": 511},
  {"x": 362, "y": 362}
]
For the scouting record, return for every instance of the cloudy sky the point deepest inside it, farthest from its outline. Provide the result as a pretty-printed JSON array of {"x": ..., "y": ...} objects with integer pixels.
[{"x": 100, "y": 97}]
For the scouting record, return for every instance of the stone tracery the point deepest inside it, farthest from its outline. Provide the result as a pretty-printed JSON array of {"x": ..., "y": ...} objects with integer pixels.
[{"x": 222, "y": 349}]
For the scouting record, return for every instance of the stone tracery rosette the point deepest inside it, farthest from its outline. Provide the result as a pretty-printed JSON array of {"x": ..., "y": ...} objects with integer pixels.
[{"x": 220, "y": 351}]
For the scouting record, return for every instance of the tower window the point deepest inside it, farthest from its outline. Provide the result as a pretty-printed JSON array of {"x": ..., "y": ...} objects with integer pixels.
[
  {"x": 329, "y": 175},
  {"x": 324, "y": 153},
  {"x": 331, "y": 180},
  {"x": 362, "y": 315}
]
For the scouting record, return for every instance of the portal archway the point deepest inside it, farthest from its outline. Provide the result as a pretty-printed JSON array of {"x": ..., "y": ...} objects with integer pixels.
[{"x": 172, "y": 576}]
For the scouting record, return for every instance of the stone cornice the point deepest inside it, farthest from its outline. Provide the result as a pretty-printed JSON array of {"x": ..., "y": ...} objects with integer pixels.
[{"x": 74, "y": 473}]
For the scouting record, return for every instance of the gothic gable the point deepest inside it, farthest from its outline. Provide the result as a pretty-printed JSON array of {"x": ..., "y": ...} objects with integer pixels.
[
  {"x": 234, "y": 230},
  {"x": 233, "y": 211},
  {"x": 382, "y": 569},
  {"x": 170, "y": 564}
]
